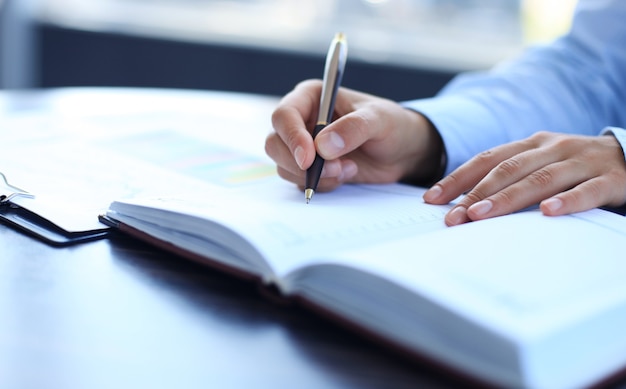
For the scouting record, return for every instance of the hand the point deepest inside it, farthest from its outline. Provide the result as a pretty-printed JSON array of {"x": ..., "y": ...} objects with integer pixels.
[
  {"x": 565, "y": 173},
  {"x": 371, "y": 139}
]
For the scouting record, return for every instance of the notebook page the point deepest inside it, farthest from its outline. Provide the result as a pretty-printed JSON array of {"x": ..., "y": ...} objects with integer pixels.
[
  {"x": 524, "y": 274},
  {"x": 274, "y": 217}
]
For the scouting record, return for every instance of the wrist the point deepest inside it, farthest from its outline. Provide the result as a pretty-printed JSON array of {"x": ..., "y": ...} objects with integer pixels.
[{"x": 430, "y": 158}]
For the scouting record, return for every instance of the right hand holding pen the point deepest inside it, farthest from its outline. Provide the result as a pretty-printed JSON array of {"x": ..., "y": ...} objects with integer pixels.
[{"x": 371, "y": 139}]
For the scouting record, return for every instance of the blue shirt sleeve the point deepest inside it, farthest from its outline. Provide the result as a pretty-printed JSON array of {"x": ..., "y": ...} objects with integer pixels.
[{"x": 576, "y": 84}]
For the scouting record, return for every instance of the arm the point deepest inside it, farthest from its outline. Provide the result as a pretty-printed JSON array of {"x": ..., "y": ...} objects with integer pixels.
[{"x": 575, "y": 85}]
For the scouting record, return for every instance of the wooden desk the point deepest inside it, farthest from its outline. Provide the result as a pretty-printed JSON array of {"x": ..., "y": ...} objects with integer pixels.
[{"x": 119, "y": 314}]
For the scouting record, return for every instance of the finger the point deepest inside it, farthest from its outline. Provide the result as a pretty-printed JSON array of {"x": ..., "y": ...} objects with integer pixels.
[
  {"x": 292, "y": 119},
  {"x": 305, "y": 99},
  {"x": 456, "y": 216},
  {"x": 540, "y": 184},
  {"x": 468, "y": 175},
  {"x": 287, "y": 175},
  {"x": 325, "y": 184},
  {"x": 334, "y": 173},
  {"x": 525, "y": 167},
  {"x": 278, "y": 151},
  {"x": 329, "y": 181},
  {"x": 355, "y": 128},
  {"x": 593, "y": 193}
]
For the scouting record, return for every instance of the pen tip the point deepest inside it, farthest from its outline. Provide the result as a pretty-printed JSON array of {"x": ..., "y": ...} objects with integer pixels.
[{"x": 308, "y": 194}]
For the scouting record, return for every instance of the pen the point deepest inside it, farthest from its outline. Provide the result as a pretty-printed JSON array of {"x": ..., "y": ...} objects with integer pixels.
[{"x": 333, "y": 71}]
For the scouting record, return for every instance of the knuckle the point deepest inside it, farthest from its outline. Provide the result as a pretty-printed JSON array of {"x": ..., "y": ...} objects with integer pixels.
[
  {"x": 555, "y": 142},
  {"x": 282, "y": 112},
  {"x": 275, "y": 141},
  {"x": 484, "y": 157},
  {"x": 473, "y": 196},
  {"x": 600, "y": 190},
  {"x": 288, "y": 176},
  {"x": 566, "y": 143},
  {"x": 505, "y": 199},
  {"x": 279, "y": 114},
  {"x": 508, "y": 168},
  {"x": 274, "y": 148},
  {"x": 270, "y": 142},
  {"x": 292, "y": 140},
  {"x": 357, "y": 125},
  {"x": 310, "y": 83},
  {"x": 541, "y": 136},
  {"x": 573, "y": 198},
  {"x": 358, "y": 121},
  {"x": 541, "y": 177},
  {"x": 595, "y": 189},
  {"x": 452, "y": 180},
  {"x": 585, "y": 195}
]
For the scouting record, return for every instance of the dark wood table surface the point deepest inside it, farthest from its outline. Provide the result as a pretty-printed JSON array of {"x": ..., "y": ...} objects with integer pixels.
[{"x": 118, "y": 313}]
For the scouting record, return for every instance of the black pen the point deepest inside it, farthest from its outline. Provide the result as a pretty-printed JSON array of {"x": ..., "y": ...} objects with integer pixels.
[{"x": 333, "y": 71}]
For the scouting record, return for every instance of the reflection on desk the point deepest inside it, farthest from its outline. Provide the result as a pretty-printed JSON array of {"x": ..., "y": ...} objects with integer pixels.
[{"x": 117, "y": 313}]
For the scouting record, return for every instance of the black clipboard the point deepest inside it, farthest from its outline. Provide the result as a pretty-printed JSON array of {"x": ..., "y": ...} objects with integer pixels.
[{"x": 37, "y": 226}]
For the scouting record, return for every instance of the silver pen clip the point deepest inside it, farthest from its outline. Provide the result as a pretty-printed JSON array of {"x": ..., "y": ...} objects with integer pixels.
[{"x": 8, "y": 191}]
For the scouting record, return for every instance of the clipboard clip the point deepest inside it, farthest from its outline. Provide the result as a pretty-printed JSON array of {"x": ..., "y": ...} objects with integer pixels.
[
  {"x": 9, "y": 191},
  {"x": 36, "y": 225}
]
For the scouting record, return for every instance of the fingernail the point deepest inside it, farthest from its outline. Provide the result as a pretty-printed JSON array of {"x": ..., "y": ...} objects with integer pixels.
[
  {"x": 457, "y": 216},
  {"x": 331, "y": 144},
  {"x": 552, "y": 204},
  {"x": 299, "y": 156},
  {"x": 481, "y": 208},
  {"x": 433, "y": 193}
]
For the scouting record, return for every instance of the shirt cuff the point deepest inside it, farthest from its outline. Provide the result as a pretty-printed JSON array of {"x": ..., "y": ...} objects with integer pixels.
[{"x": 619, "y": 134}]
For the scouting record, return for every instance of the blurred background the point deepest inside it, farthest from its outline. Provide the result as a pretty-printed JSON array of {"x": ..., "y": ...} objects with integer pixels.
[{"x": 399, "y": 49}]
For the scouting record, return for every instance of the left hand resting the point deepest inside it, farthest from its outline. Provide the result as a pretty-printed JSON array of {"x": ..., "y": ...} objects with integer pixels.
[{"x": 564, "y": 173}]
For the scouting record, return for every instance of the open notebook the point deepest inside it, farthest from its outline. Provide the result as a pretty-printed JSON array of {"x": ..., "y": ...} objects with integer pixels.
[{"x": 517, "y": 301}]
